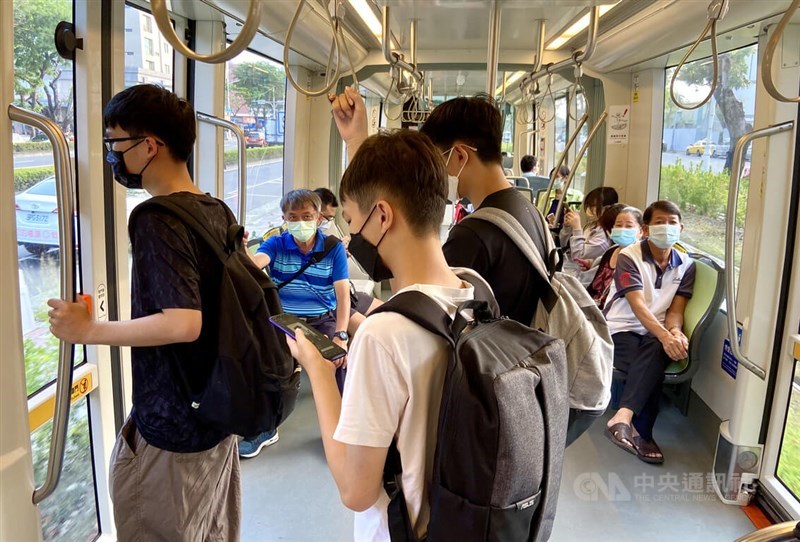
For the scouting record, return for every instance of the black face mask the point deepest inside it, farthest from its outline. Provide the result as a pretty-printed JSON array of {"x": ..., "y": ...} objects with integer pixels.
[
  {"x": 367, "y": 255},
  {"x": 121, "y": 174}
]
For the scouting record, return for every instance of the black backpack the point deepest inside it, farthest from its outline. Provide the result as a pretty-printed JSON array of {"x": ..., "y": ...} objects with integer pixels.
[
  {"x": 501, "y": 432},
  {"x": 254, "y": 381}
]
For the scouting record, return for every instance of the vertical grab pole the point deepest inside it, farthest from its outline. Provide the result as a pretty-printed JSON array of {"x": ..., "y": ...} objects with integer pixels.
[
  {"x": 241, "y": 145},
  {"x": 730, "y": 231},
  {"x": 65, "y": 189},
  {"x": 494, "y": 46}
]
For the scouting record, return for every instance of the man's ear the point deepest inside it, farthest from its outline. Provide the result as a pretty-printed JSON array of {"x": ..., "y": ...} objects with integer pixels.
[
  {"x": 645, "y": 231},
  {"x": 386, "y": 215}
]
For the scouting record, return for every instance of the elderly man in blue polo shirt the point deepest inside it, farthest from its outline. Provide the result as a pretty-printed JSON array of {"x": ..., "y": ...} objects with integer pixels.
[
  {"x": 652, "y": 284},
  {"x": 320, "y": 295}
]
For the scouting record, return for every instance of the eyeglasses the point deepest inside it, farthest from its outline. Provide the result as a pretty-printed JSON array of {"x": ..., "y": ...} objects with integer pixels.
[
  {"x": 451, "y": 149},
  {"x": 109, "y": 141}
]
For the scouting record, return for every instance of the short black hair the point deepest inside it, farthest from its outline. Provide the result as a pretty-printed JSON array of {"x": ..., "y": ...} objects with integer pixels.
[
  {"x": 476, "y": 121},
  {"x": 665, "y": 207},
  {"x": 600, "y": 198},
  {"x": 527, "y": 163},
  {"x": 327, "y": 197},
  {"x": 154, "y": 110},
  {"x": 416, "y": 183}
]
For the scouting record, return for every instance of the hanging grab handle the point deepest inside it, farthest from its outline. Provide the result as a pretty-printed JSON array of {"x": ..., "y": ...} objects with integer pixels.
[
  {"x": 249, "y": 29},
  {"x": 66, "y": 238},
  {"x": 241, "y": 145},
  {"x": 769, "y": 55},
  {"x": 730, "y": 230},
  {"x": 716, "y": 11}
]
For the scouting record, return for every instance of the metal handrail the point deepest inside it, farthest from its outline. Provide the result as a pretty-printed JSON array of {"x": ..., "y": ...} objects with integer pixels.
[
  {"x": 560, "y": 162},
  {"x": 780, "y": 532},
  {"x": 578, "y": 57},
  {"x": 537, "y": 64},
  {"x": 716, "y": 11},
  {"x": 394, "y": 59},
  {"x": 493, "y": 47},
  {"x": 519, "y": 141},
  {"x": 578, "y": 159},
  {"x": 730, "y": 230},
  {"x": 241, "y": 145},
  {"x": 249, "y": 29},
  {"x": 65, "y": 185},
  {"x": 769, "y": 54}
]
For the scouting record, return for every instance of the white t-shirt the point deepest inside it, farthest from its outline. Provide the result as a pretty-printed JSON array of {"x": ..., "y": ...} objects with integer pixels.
[{"x": 395, "y": 375}]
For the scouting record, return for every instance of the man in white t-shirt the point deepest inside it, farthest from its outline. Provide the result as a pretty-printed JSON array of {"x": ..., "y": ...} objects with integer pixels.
[
  {"x": 652, "y": 284},
  {"x": 393, "y": 195}
]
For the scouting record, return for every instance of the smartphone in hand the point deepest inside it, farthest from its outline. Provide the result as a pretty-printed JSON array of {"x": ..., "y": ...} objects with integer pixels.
[{"x": 288, "y": 323}]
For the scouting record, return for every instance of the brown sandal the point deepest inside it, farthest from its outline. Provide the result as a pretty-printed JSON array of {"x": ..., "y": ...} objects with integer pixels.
[
  {"x": 645, "y": 450},
  {"x": 621, "y": 435}
]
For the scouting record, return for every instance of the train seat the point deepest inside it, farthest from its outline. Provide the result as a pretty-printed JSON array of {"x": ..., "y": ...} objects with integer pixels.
[{"x": 700, "y": 310}]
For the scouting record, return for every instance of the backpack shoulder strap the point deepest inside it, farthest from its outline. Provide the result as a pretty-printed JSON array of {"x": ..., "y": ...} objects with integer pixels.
[
  {"x": 315, "y": 257},
  {"x": 193, "y": 223},
  {"x": 422, "y": 310}
]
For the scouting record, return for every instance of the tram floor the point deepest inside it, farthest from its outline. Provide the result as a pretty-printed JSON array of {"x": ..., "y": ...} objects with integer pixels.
[{"x": 288, "y": 493}]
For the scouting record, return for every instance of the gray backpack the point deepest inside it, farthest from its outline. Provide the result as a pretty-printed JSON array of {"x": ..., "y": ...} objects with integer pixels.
[
  {"x": 568, "y": 313},
  {"x": 501, "y": 431}
]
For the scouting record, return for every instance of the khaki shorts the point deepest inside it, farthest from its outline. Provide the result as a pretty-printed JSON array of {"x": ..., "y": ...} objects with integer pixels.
[{"x": 165, "y": 496}]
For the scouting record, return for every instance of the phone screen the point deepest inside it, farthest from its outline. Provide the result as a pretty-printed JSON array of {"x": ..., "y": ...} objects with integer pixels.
[{"x": 289, "y": 324}]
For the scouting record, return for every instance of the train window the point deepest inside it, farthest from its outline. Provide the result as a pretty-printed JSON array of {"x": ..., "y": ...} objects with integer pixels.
[
  {"x": 788, "y": 470},
  {"x": 578, "y": 109},
  {"x": 255, "y": 93},
  {"x": 44, "y": 83},
  {"x": 697, "y": 146},
  {"x": 145, "y": 64},
  {"x": 560, "y": 124}
]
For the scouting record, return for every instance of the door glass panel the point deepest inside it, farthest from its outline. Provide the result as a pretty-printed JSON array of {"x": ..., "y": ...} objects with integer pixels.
[
  {"x": 70, "y": 513},
  {"x": 255, "y": 87},
  {"x": 44, "y": 83},
  {"x": 788, "y": 470}
]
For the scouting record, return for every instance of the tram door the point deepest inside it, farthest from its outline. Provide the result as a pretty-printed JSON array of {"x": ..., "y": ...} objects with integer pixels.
[{"x": 51, "y": 246}]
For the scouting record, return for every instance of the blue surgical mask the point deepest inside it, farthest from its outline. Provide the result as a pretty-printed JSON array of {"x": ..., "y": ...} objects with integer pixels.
[
  {"x": 302, "y": 230},
  {"x": 623, "y": 236},
  {"x": 664, "y": 235}
]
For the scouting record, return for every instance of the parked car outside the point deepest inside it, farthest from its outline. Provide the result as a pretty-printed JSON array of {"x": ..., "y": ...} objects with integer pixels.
[
  {"x": 37, "y": 217},
  {"x": 255, "y": 139}
]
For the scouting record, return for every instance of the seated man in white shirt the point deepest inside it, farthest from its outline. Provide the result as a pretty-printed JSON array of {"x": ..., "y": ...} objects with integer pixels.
[
  {"x": 652, "y": 284},
  {"x": 393, "y": 195}
]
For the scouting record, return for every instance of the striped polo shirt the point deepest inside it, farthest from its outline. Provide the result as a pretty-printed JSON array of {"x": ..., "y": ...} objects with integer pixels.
[
  {"x": 637, "y": 270},
  {"x": 312, "y": 293}
]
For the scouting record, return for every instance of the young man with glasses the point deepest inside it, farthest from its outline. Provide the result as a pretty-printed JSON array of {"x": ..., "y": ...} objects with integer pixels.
[{"x": 171, "y": 477}]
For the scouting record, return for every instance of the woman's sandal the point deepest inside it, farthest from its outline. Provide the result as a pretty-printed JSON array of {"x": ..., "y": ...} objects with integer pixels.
[
  {"x": 646, "y": 450},
  {"x": 621, "y": 435}
]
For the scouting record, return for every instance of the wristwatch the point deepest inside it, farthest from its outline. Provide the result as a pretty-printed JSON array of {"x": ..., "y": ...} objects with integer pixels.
[{"x": 341, "y": 335}]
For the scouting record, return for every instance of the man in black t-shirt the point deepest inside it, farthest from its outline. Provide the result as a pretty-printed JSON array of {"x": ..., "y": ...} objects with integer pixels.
[
  {"x": 468, "y": 131},
  {"x": 171, "y": 476}
]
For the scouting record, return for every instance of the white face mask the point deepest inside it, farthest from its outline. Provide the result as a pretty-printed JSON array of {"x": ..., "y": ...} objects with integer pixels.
[
  {"x": 452, "y": 180},
  {"x": 325, "y": 224},
  {"x": 302, "y": 230}
]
